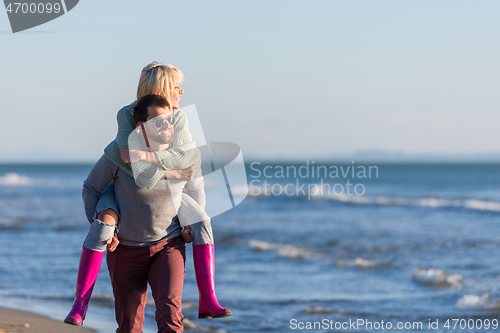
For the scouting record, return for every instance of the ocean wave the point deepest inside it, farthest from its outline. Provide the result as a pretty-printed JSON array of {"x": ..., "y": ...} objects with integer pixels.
[
  {"x": 14, "y": 179},
  {"x": 288, "y": 251},
  {"x": 4, "y": 221},
  {"x": 430, "y": 202},
  {"x": 477, "y": 303},
  {"x": 472, "y": 204},
  {"x": 239, "y": 190},
  {"x": 361, "y": 263},
  {"x": 295, "y": 252},
  {"x": 436, "y": 278},
  {"x": 189, "y": 324},
  {"x": 320, "y": 310},
  {"x": 188, "y": 305},
  {"x": 192, "y": 325},
  {"x": 16, "y": 222},
  {"x": 103, "y": 298}
]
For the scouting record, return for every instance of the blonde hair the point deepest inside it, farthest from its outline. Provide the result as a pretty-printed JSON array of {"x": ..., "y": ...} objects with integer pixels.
[{"x": 159, "y": 79}]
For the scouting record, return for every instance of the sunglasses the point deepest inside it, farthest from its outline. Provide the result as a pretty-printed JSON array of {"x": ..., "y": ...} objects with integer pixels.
[{"x": 160, "y": 121}]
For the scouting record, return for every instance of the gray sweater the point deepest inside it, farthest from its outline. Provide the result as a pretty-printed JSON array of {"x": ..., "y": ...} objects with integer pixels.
[{"x": 147, "y": 215}]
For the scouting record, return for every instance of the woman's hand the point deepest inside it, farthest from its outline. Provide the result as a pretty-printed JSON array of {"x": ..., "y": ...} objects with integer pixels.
[
  {"x": 131, "y": 155},
  {"x": 185, "y": 174},
  {"x": 176, "y": 174},
  {"x": 188, "y": 173},
  {"x": 186, "y": 234}
]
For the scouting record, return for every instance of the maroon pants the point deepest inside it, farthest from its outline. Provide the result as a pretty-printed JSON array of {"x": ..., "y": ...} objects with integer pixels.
[{"x": 132, "y": 267}]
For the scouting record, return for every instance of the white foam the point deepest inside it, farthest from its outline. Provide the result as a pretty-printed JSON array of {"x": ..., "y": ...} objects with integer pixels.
[
  {"x": 436, "y": 277},
  {"x": 319, "y": 309},
  {"x": 482, "y": 205},
  {"x": 256, "y": 191},
  {"x": 292, "y": 251},
  {"x": 14, "y": 179},
  {"x": 476, "y": 303},
  {"x": 239, "y": 190},
  {"x": 262, "y": 246},
  {"x": 473, "y": 204},
  {"x": 190, "y": 324},
  {"x": 360, "y": 262},
  {"x": 289, "y": 251}
]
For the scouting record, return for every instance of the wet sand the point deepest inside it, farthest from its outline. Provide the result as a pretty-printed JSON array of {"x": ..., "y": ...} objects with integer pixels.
[{"x": 14, "y": 321}]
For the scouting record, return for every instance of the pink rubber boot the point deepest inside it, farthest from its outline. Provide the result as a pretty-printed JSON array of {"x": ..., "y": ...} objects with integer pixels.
[
  {"x": 204, "y": 266},
  {"x": 90, "y": 263}
]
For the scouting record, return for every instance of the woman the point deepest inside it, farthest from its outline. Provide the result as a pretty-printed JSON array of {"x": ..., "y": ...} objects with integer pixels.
[{"x": 163, "y": 80}]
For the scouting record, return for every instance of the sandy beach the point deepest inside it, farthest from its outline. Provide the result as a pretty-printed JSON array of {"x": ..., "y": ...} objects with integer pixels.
[{"x": 14, "y": 321}]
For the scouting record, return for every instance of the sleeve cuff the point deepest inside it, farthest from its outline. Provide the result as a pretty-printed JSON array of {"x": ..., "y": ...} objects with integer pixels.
[{"x": 166, "y": 164}]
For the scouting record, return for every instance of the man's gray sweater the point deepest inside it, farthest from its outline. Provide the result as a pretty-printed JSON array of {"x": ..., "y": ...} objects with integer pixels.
[{"x": 146, "y": 215}]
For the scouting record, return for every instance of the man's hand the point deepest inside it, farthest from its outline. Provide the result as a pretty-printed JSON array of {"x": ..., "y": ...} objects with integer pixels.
[
  {"x": 131, "y": 155},
  {"x": 186, "y": 234},
  {"x": 112, "y": 243}
]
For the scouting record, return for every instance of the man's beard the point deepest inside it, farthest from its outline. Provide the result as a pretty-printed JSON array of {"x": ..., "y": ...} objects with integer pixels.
[{"x": 161, "y": 139}]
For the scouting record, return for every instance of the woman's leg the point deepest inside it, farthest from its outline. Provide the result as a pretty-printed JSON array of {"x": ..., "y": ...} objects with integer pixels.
[
  {"x": 101, "y": 230},
  {"x": 203, "y": 257}
]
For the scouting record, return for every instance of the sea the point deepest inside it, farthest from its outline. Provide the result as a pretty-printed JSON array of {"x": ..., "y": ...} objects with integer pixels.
[{"x": 315, "y": 247}]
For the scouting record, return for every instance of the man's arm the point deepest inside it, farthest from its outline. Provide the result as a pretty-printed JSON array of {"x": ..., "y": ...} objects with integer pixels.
[{"x": 99, "y": 177}]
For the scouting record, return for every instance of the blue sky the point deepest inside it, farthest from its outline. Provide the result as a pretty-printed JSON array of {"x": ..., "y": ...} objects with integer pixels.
[{"x": 290, "y": 79}]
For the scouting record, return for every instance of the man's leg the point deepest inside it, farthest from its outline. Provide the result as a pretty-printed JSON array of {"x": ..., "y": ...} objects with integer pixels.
[
  {"x": 128, "y": 269},
  {"x": 166, "y": 277}
]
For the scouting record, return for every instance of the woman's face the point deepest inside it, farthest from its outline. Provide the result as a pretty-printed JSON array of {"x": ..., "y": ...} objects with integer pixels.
[{"x": 176, "y": 95}]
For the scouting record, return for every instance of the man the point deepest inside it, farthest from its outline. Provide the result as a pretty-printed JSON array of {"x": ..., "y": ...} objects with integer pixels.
[{"x": 151, "y": 248}]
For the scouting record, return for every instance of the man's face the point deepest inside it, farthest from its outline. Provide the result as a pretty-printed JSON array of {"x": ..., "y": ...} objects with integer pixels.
[{"x": 158, "y": 127}]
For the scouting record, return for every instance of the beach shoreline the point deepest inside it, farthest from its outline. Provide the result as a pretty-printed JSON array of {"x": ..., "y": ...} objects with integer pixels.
[{"x": 16, "y": 321}]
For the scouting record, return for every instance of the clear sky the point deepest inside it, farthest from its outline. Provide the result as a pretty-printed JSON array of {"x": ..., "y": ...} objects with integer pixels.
[{"x": 295, "y": 79}]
